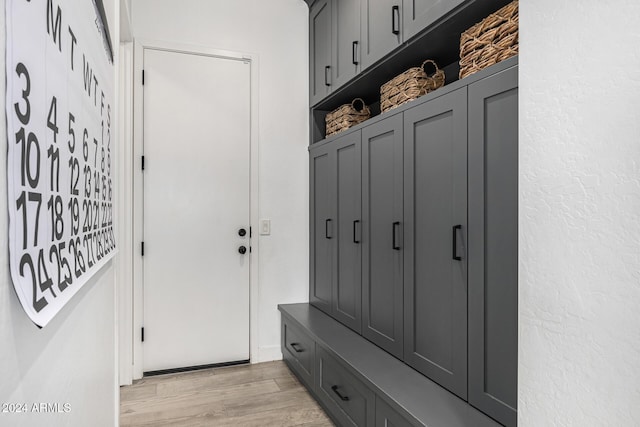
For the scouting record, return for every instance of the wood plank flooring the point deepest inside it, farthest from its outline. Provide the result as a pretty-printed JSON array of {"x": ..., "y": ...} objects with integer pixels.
[{"x": 264, "y": 394}]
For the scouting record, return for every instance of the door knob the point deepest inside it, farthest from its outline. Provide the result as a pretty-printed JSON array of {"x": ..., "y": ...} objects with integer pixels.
[
  {"x": 242, "y": 250},
  {"x": 242, "y": 232}
]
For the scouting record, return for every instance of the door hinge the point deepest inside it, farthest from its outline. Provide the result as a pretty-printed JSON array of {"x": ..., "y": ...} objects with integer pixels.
[
  {"x": 142, "y": 162},
  {"x": 249, "y": 249},
  {"x": 142, "y": 334},
  {"x": 142, "y": 248},
  {"x": 142, "y": 77},
  {"x": 250, "y": 232}
]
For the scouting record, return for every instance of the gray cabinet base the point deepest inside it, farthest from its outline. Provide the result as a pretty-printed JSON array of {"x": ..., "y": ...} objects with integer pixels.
[{"x": 404, "y": 392}]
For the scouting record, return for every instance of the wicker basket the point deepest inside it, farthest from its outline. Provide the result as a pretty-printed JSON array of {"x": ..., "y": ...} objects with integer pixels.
[
  {"x": 346, "y": 116},
  {"x": 410, "y": 85},
  {"x": 490, "y": 41}
]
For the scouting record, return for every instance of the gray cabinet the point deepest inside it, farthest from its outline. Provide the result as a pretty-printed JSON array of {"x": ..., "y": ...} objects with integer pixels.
[
  {"x": 335, "y": 207},
  {"x": 321, "y": 228},
  {"x": 493, "y": 245},
  {"x": 414, "y": 239},
  {"x": 419, "y": 14},
  {"x": 435, "y": 224},
  {"x": 382, "y": 237},
  {"x": 346, "y": 41},
  {"x": 319, "y": 50},
  {"x": 380, "y": 27}
]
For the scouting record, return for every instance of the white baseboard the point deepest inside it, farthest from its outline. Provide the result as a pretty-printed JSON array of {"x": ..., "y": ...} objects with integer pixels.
[{"x": 267, "y": 354}]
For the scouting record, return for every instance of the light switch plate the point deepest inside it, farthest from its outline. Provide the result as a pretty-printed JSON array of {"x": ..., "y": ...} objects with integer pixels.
[{"x": 265, "y": 227}]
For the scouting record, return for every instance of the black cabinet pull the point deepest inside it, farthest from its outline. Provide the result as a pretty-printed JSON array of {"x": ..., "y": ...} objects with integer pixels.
[
  {"x": 355, "y": 225},
  {"x": 394, "y": 227},
  {"x": 354, "y": 50},
  {"x": 335, "y": 390},
  {"x": 455, "y": 242},
  {"x": 295, "y": 345},
  {"x": 326, "y": 75},
  {"x": 326, "y": 228},
  {"x": 395, "y": 18}
]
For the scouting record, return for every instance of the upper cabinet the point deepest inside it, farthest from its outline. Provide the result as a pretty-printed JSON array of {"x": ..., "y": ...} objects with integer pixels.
[
  {"x": 380, "y": 28},
  {"x": 346, "y": 42},
  {"x": 320, "y": 50},
  {"x": 358, "y": 45},
  {"x": 419, "y": 14}
]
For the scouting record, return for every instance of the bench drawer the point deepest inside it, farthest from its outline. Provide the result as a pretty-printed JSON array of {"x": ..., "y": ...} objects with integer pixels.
[
  {"x": 386, "y": 416},
  {"x": 298, "y": 349},
  {"x": 346, "y": 397}
]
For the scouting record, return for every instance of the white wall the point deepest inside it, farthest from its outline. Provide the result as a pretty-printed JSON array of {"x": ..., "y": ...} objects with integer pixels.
[
  {"x": 72, "y": 360},
  {"x": 277, "y": 32},
  {"x": 579, "y": 353}
]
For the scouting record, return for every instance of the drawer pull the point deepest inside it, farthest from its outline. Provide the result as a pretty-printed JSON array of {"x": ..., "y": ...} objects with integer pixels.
[
  {"x": 295, "y": 346},
  {"x": 335, "y": 390}
]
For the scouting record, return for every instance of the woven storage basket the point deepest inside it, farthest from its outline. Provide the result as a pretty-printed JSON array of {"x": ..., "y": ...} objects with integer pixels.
[
  {"x": 490, "y": 41},
  {"x": 410, "y": 85},
  {"x": 346, "y": 116}
]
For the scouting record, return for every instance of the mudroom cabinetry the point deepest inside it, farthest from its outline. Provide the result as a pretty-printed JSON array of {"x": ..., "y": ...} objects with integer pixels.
[
  {"x": 412, "y": 313},
  {"x": 414, "y": 236}
]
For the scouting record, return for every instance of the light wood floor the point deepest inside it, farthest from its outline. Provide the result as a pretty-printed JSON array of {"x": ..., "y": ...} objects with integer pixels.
[{"x": 265, "y": 394}]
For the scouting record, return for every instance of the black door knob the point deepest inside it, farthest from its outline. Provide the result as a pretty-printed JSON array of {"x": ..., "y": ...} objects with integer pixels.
[
  {"x": 242, "y": 232},
  {"x": 242, "y": 250}
]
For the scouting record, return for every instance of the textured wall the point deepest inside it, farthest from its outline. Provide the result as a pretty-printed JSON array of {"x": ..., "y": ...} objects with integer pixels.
[
  {"x": 277, "y": 31},
  {"x": 72, "y": 360},
  {"x": 579, "y": 352}
]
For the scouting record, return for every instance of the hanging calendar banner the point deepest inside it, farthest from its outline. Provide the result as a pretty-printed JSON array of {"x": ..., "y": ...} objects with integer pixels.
[{"x": 60, "y": 98}]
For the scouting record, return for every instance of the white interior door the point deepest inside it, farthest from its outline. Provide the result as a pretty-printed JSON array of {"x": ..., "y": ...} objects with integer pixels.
[{"x": 196, "y": 199}]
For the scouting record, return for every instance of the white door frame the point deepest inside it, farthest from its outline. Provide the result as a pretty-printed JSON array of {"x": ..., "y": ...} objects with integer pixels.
[
  {"x": 138, "y": 304},
  {"x": 124, "y": 266}
]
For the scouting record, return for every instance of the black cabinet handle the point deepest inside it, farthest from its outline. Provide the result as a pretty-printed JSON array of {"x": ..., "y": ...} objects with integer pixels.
[
  {"x": 326, "y": 228},
  {"x": 395, "y": 18},
  {"x": 295, "y": 345},
  {"x": 394, "y": 227},
  {"x": 354, "y": 50},
  {"x": 326, "y": 75},
  {"x": 355, "y": 225},
  {"x": 455, "y": 242},
  {"x": 335, "y": 390}
]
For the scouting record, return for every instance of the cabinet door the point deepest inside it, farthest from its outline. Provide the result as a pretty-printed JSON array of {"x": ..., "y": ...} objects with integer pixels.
[
  {"x": 435, "y": 207},
  {"x": 346, "y": 41},
  {"x": 347, "y": 296},
  {"x": 381, "y": 32},
  {"x": 319, "y": 50},
  {"x": 382, "y": 234},
  {"x": 493, "y": 245},
  {"x": 322, "y": 225},
  {"x": 419, "y": 14}
]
